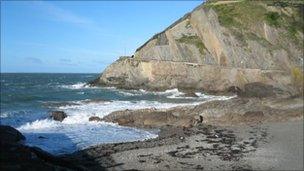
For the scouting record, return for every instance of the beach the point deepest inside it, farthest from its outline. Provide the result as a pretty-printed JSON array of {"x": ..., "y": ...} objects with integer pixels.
[
  {"x": 255, "y": 147},
  {"x": 267, "y": 143}
]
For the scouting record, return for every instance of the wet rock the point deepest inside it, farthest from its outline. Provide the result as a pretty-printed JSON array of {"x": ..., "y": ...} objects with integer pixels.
[
  {"x": 173, "y": 153},
  {"x": 94, "y": 82},
  {"x": 190, "y": 94},
  {"x": 58, "y": 115},
  {"x": 95, "y": 118},
  {"x": 10, "y": 135},
  {"x": 258, "y": 89},
  {"x": 234, "y": 89}
]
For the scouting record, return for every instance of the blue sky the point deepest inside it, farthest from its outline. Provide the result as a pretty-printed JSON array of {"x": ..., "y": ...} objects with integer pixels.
[{"x": 79, "y": 36}]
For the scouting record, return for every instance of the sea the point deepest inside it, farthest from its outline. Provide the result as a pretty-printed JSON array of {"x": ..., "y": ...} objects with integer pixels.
[{"x": 28, "y": 98}]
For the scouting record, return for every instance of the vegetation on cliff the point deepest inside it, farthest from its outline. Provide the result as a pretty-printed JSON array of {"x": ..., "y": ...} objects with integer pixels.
[
  {"x": 246, "y": 15},
  {"x": 195, "y": 40}
]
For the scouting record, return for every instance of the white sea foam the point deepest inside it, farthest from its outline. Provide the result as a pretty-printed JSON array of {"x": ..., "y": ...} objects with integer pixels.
[
  {"x": 79, "y": 85},
  {"x": 40, "y": 125},
  {"x": 171, "y": 94},
  {"x": 13, "y": 113},
  {"x": 66, "y": 137},
  {"x": 76, "y": 132},
  {"x": 4, "y": 115},
  {"x": 126, "y": 93},
  {"x": 79, "y": 112}
]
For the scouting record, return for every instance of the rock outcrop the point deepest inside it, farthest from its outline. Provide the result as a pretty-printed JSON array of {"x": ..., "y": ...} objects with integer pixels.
[
  {"x": 95, "y": 118},
  {"x": 218, "y": 45},
  {"x": 14, "y": 155},
  {"x": 10, "y": 135},
  {"x": 152, "y": 118},
  {"x": 58, "y": 115},
  {"x": 237, "y": 110}
]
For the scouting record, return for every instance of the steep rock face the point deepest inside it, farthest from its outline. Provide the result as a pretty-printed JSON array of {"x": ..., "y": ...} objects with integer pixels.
[{"x": 218, "y": 45}]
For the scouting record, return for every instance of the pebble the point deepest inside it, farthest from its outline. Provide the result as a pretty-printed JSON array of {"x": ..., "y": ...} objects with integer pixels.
[{"x": 235, "y": 149}]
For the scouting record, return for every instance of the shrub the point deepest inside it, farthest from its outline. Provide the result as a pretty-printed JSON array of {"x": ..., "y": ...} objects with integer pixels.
[{"x": 272, "y": 18}]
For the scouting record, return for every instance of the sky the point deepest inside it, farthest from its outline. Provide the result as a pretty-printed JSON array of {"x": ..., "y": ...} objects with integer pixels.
[{"x": 79, "y": 36}]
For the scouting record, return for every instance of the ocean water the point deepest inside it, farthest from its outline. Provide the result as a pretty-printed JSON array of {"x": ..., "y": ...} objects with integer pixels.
[{"x": 27, "y": 99}]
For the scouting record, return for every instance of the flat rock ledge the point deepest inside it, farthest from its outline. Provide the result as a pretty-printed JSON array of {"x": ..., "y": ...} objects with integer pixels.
[{"x": 238, "y": 110}]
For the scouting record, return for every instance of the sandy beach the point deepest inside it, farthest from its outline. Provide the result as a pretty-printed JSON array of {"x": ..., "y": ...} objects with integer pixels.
[{"x": 267, "y": 146}]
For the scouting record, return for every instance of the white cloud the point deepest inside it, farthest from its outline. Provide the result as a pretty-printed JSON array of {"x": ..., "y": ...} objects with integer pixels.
[{"x": 61, "y": 14}]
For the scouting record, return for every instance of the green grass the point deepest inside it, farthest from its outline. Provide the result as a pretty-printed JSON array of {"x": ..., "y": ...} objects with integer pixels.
[
  {"x": 195, "y": 40},
  {"x": 242, "y": 14},
  {"x": 245, "y": 16},
  {"x": 226, "y": 15}
]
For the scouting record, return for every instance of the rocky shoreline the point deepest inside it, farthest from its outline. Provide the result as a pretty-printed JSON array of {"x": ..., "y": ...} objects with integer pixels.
[
  {"x": 213, "y": 135},
  {"x": 250, "y": 49}
]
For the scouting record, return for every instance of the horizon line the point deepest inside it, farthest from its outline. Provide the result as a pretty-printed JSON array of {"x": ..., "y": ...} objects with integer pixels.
[{"x": 49, "y": 73}]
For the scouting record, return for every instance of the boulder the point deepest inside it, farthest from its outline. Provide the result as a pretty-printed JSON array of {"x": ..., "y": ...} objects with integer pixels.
[
  {"x": 58, "y": 115},
  {"x": 95, "y": 118},
  {"x": 234, "y": 89},
  {"x": 190, "y": 94},
  {"x": 188, "y": 91},
  {"x": 10, "y": 135},
  {"x": 93, "y": 82}
]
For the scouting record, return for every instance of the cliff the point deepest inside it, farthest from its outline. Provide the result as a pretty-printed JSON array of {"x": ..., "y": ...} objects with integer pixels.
[{"x": 218, "y": 45}]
